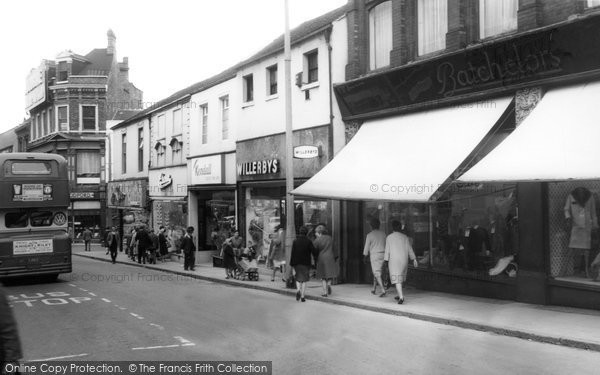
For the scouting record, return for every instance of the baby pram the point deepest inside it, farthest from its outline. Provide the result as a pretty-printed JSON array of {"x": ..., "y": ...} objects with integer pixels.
[{"x": 246, "y": 267}]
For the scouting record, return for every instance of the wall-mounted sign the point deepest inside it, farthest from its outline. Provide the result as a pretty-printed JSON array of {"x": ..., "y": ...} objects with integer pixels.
[
  {"x": 541, "y": 57},
  {"x": 83, "y": 195},
  {"x": 207, "y": 170},
  {"x": 164, "y": 181},
  {"x": 252, "y": 168},
  {"x": 35, "y": 89},
  {"x": 131, "y": 193},
  {"x": 306, "y": 152}
]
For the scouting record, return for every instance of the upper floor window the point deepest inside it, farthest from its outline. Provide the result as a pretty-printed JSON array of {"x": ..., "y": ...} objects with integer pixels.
[
  {"x": 204, "y": 114},
  {"x": 32, "y": 128},
  {"x": 44, "y": 123},
  {"x": 88, "y": 164},
  {"x": 593, "y": 3},
  {"x": 38, "y": 121},
  {"x": 177, "y": 151},
  {"x": 123, "y": 153},
  {"x": 51, "y": 125},
  {"x": 311, "y": 66},
  {"x": 497, "y": 17},
  {"x": 177, "y": 122},
  {"x": 140, "y": 142},
  {"x": 160, "y": 130},
  {"x": 160, "y": 154},
  {"x": 380, "y": 35},
  {"x": 63, "y": 75},
  {"x": 272, "y": 80},
  {"x": 89, "y": 117},
  {"x": 62, "y": 118},
  {"x": 225, "y": 116},
  {"x": 432, "y": 25},
  {"x": 248, "y": 88}
]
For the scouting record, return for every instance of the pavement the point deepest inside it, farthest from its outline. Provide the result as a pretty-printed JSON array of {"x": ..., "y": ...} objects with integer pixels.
[{"x": 571, "y": 327}]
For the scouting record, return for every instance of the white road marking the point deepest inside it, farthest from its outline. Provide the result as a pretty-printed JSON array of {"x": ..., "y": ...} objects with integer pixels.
[
  {"x": 73, "y": 285},
  {"x": 123, "y": 308},
  {"x": 83, "y": 290},
  {"x": 156, "y": 347},
  {"x": 62, "y": 357},
  {"x": 106, "y": 300},
  {"x": 157, "y": 326},
  {"x": 136, "y": 315},
  {"x": 92, "y": 294},
  {"x": 184, "y": 341}
]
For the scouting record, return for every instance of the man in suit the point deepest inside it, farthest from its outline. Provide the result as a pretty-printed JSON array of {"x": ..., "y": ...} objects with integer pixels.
[
  {"x": 112, "y": 241},
  {"x": 143, "y": 243},
  {"x": 189, "y": 250}
]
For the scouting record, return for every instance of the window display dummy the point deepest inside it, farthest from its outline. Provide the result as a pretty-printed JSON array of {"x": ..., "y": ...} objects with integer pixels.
[{"x": 581, "y": 218}]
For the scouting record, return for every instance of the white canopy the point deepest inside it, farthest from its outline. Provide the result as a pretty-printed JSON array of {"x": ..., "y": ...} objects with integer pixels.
[
  {"x": 405, "y": 158},
  {"x": 559, "y": 140}
]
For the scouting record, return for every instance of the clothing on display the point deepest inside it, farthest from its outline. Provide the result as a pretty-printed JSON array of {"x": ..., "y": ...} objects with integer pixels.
[{"x": 580, "y": 208}]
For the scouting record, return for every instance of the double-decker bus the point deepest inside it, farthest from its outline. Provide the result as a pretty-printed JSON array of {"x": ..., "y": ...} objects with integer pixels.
[{"x": 34, "y": 201}]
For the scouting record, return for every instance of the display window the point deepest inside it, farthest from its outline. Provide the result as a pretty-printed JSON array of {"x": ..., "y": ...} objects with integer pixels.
[
  {"x": 574, "y": 243},
  {"x": 265, "y": 212},
  {"x": 472, "y": 228}
]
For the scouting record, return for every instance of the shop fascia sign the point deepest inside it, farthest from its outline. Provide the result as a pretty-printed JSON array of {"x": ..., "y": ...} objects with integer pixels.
[
  {"x": 307, "y": 152},
  {"x": 259, "y": 167},
  {"x": 207, "y": 170},
  {"x": 540, "y": 57},
  {"x": 82, "y": 195}
]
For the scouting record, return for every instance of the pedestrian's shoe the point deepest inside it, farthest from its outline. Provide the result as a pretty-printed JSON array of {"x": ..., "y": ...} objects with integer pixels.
[
  {"x": 383, "y": 294},
  {"x": 400, "y": 301},
  {"x": 298, "y": 296},
  {"x": 324, "y": 295},
  {"x": 328, "y": 289},
  {"x": 397, "y": 298},
  {"x": 373, "y": 291},
  {"x": 303, "y": 299}
]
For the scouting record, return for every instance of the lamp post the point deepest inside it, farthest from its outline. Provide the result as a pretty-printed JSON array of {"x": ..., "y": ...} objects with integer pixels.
[{"x": 289, "y": 144}]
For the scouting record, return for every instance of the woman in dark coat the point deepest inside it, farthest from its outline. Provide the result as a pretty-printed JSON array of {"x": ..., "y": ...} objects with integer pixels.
[
  {"x": 302, "y": 250},
  {"x": 327, "y": 267},
  {"x": 228, "y": 258}
]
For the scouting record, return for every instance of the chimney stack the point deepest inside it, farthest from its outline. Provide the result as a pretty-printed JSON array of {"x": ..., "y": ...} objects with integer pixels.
[{"x": 112, "y": 40}]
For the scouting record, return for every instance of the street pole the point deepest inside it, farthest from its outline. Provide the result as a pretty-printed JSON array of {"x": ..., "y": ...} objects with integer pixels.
[{"x": 289, "y": 144}]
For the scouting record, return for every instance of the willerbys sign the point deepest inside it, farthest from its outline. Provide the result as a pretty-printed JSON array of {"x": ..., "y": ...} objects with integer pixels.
[
  {"x": 260, "y": 167},
  {"x": 568, "y": 52}
]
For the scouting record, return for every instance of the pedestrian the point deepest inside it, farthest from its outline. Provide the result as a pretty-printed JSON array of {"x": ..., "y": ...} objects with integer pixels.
[
  {"x": 133, "y": 243},
  {"x": 397, "y": 252},
  {"x": 374, "y": 252},
  {"x": 327, "y": 267},
  {"x": 10, "y": 344},
  {"x": 143, "y": 243},
  {"x": 300, "y": 260},
  {"x": 112, "y": 241},
  {"x": 163, "y": 243},
  {"x": 276, "y": 257},
  {"x": 189, "y": 250},
  {"x": 87, "y": 239},
  {"x": 228, "y": 258},
  {"x": 237, "y": 242},
  {"x": 153, "y": 249}
]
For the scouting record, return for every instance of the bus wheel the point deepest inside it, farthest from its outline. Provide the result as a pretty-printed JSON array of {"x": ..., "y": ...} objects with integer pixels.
[{"x": 52, "y": 278}]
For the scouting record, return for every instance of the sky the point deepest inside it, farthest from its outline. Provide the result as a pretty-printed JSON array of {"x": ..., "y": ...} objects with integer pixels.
[{"x": 170, "y": 44}]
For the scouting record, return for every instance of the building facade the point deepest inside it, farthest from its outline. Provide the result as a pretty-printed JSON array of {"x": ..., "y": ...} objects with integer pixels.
[
  {"x": 70, "y": 101},
  {"x": 436, "y": 86}
]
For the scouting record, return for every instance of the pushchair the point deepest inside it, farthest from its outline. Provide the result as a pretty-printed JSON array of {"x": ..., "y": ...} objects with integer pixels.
[{"x": 246, "y": 267}]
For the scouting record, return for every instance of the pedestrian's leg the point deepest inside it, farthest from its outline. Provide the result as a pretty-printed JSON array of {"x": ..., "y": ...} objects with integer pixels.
[
  {"x": 400, "y": 294},
  {"x": 298, "y": 290},
  {"x": 329, "y": 286},
  {"x": 379, "y": 281},
  {"x": 302, "y": 290},
  {"x": 273, "y": 275},
  {"x": 324, "y": 285}
]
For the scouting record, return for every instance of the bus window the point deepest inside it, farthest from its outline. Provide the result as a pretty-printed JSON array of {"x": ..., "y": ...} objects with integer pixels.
[
  {"x": 41, "y": 219},
  {"x": 15, "y": 220},
  {"x": 31, "y": 167}
]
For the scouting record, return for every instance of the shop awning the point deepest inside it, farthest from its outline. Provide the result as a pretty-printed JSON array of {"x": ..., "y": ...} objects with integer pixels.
[
  {"x": 559, "y": 140},
  {"x": 405, "y": 158}
]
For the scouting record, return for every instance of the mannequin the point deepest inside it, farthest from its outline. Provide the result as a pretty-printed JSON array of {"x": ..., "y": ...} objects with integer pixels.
[{"x": 581, "y": 217}]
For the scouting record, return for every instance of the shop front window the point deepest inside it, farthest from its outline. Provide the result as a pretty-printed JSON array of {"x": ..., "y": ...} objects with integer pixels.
[
  {"x": 265, "y": 212},
  {"x": 469, "y": 230},
  {"x": 573, "y": 211}
]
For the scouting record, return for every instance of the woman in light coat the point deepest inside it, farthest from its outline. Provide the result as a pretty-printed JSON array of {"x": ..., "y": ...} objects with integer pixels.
[
  {"x": 327, "y": 267},
  {"x": 375, "y": 252},
  {"x": 397, "y": 252}
]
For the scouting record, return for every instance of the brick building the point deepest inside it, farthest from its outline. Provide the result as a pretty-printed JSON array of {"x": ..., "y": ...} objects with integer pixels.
[
  {"x": 437, "y": 88},
  {"x": 70, "y": 100}
]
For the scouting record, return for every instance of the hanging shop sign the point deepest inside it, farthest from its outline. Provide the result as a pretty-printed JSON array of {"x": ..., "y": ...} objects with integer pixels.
[
  {"x": 545, "y": 57},
  {"x": 260, "y": 167},
  {"x": 306, "y": 152},
  {"x": 80, "y": 195}
]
